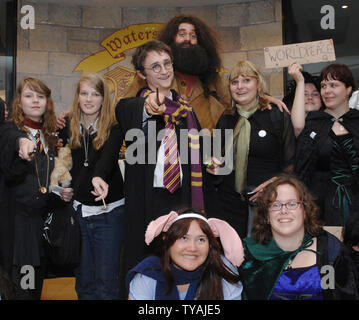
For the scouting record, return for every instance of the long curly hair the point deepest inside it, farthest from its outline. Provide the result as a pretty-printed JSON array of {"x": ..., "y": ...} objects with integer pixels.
[
  {"x": 49, "y": 116},
  {"x": 106, "y": 115},
  {"x": 214, "y": 269},
  {"x": 206, "y": 37},
  {"x": 261, "y": 230}
]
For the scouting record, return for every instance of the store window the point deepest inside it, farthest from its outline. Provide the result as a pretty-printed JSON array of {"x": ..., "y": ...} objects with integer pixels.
[
  {"x": 8, "y": 10},
  {"x": 309, "y": 20}
]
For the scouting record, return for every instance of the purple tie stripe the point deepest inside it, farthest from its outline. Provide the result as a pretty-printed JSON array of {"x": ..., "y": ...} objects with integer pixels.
[
  {"x": 171, "y": 175},
  {"x": 172, "y": 178},
  {"x": 175, "y": 110}
]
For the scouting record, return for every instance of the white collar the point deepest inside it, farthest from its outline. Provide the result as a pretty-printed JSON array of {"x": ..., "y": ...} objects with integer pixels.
[{"x": 92, "y": 125}]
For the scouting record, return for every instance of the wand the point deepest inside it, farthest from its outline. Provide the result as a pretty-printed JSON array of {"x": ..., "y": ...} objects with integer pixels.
[{"x": 157, "y": 97}]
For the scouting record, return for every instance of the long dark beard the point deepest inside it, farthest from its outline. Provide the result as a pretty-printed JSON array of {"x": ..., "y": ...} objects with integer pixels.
[{"x": 192, "y": 60}]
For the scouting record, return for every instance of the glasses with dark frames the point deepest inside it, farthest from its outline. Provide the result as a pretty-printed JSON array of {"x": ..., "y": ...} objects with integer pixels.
[
  {"x": 156, "y": 68},
  {"x": 291, "y": 205}
]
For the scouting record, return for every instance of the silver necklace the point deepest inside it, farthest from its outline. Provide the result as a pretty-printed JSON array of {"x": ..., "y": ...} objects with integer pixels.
[{"x": 86, "y": 140}]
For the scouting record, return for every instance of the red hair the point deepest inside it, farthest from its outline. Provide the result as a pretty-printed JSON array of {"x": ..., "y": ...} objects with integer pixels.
[{"x": 49, "y": 116}]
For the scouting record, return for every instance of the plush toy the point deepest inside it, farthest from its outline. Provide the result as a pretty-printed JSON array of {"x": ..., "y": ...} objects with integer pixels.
[{"x": 63, "y": 163}]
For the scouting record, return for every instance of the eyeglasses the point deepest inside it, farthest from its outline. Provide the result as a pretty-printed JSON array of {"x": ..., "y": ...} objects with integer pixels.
[
  {"x": 291, "y": 205},
  {"x": 156, "y": 68}
]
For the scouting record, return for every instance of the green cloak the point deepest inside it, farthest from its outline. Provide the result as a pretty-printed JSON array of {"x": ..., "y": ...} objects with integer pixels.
[{"x": 263, "y": 265}]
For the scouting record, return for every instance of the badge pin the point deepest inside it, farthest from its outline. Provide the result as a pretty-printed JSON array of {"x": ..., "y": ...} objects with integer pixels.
[{"x": 262, "y": 133}]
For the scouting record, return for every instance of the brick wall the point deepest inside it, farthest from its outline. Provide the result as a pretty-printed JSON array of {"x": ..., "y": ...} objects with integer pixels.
[{"x": 65, "y": 35}]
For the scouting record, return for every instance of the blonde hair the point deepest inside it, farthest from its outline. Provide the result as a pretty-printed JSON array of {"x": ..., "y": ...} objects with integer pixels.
[
  {"x": 106, "y": 115},
  {"x": 248, "y": 69},
  {"x": 49, "y": 116}
]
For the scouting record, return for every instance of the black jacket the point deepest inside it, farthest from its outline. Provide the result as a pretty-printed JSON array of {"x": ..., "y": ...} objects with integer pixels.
[{"x": 102, "y": 163}]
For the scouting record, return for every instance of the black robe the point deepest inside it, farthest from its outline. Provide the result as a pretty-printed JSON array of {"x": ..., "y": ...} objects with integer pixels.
[
  {"x": 2, "y": 111},
  {"x": 3, "y": 196},
  {"x": 314, "y": 162},
  {"x": 23, "y": 206},
  {"x": 143, "y": 202},
  {"x": 103, "y": 163},
  {"x": 4, "y": 221},
  {"x": 269, "y": 154}
]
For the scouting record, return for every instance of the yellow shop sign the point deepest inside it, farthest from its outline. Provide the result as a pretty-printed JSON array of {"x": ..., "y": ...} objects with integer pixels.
[
  {"x": 115, "y": 46},
  {"x": 130, "y": 37}
]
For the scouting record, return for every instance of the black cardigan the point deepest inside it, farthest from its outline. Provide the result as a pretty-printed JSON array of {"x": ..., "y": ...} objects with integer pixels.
[{"x": 102, "y": 163}]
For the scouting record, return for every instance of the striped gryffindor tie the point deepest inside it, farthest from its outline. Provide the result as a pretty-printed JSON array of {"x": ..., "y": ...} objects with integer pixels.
[
  {"x": 175, "y": 110},
  {"x": 39, "y": 145},
  {"x": 171, "y": 174}
]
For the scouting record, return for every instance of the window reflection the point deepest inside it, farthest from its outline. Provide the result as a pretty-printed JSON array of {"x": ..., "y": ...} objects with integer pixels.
[
  {"x": 302, "y": 23},
  {"x": 7, "y": 48}
]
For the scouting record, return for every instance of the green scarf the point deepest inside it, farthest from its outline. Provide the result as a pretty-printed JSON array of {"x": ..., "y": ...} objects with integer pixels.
[
  {"x": 241, "y": 140},
  {"x": 264, "y": 264}
]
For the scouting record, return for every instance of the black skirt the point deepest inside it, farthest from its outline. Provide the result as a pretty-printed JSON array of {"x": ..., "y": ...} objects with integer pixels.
[{"x": 28, "y": 239}]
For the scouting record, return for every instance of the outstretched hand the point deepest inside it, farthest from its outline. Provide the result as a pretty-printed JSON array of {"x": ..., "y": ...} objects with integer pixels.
[
  {"x": 26, "y": 149},
  {"x": 154, "y": 104}
]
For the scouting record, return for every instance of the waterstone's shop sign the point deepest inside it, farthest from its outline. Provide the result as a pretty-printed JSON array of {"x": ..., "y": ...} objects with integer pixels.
[{"x": 115, "y": 45}]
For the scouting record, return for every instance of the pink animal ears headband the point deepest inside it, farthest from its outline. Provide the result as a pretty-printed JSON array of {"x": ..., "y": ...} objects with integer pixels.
[{"x": 231, "y": 242}]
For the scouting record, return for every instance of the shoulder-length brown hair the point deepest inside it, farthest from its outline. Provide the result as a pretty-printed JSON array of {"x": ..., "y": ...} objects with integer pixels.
[
  {"x": 246, "y": 68},
  {"x": 106, "y": 115},
  {"x": 261, "y": 230},
  {"x": 214, "y": 269},
  {"x": 49, "y": 116}
]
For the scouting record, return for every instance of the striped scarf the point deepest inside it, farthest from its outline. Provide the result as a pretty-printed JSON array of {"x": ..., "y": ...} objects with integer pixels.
[{"x": 175, "y": 110}]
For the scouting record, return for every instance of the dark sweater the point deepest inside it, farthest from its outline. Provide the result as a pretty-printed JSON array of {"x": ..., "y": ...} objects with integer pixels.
[{"x": 102, "y": 163}]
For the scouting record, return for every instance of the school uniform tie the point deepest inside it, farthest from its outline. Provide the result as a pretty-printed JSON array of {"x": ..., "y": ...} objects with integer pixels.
[
  {"x": 171, "y": 175},
  {"x": 179, "y": 110},
  {"x": 39, "y": 146}
]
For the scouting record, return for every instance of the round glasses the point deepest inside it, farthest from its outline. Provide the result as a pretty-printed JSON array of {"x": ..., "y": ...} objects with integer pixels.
[
  {"x": 291, "y": 205},
  {"x": 156, "y": 68}
]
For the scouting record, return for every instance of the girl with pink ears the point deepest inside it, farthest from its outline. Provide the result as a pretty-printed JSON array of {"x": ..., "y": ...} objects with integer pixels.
[{"x": 189, "y": 265}]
